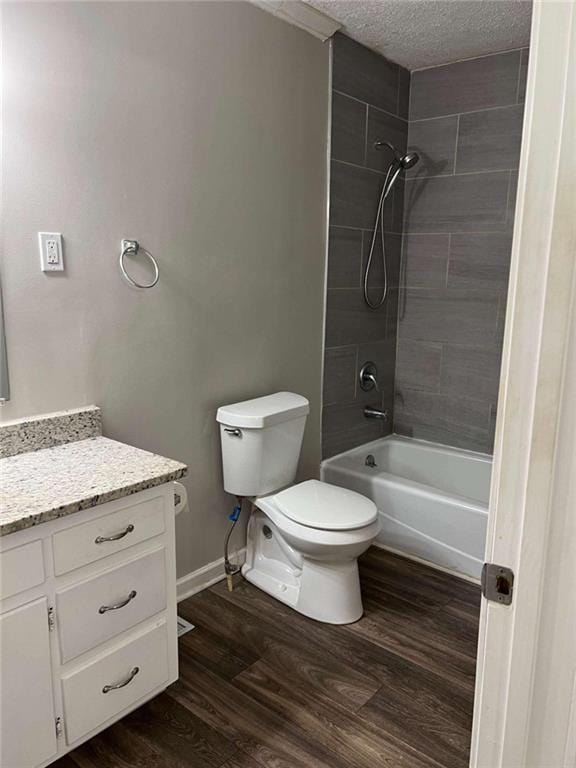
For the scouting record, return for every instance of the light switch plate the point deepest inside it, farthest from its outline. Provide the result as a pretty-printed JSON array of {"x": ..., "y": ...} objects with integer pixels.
[{"x": 51, "y": 253}]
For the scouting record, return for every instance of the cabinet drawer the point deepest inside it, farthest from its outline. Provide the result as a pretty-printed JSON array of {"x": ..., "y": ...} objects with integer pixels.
[
  {"x": 136, "y": 667},
  {"x": 99, "y": 608},
  {"x": 86, "y": 543},
  {"x": 21, "y": 568}
]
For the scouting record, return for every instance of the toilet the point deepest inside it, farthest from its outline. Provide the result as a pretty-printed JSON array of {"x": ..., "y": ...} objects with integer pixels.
[{"x": 303, "y": 540}]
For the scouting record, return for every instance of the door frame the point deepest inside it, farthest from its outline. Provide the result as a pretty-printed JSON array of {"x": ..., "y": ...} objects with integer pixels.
[{"x": 537, "y": 397}]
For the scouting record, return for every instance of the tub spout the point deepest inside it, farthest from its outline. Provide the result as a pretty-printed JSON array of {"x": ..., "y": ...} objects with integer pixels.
[{"x": 370, "y": 412}]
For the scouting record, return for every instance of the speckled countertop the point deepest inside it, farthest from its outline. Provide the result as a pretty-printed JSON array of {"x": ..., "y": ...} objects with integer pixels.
[{"x": 46, "y": 484}]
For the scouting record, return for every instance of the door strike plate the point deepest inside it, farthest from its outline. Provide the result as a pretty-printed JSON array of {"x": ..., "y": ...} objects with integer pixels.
[{"x": 497, "y": 583}]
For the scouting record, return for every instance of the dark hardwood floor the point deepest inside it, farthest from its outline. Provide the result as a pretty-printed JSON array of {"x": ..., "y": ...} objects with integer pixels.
[{"x": 263, "y": 687}]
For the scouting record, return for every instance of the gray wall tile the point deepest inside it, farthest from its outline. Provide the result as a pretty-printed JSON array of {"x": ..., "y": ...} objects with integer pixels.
[
  {"x": 435, "y": 142},
  {"x": 488, "y": 81},
  {"x": 458, "y": 421},
  {"x": 425, "y": 261},
  {"x": 350, "y": 321},
  {"x": 450, "y": 316},
  {"x": 363, "y": 431},
  {"x": 339, "y": 375},
  {"x": 348, "y": 129},
  {"x": 384, "y": 127},
  {"x": 489, "y": 140},
  {"x": 361, "y": 73},
  {"x": 480, "y": 260},
  {"x": 524, "y": 56},
  {"x": 437, "y": 342},
  {"x": 471, "y": 371},
  {"x": 353, "y": 195},
  {"x": 450, "y": 338},
  {"x": 344, "y": 257},
  {"x": 457, "y": 203},
  {"x": 418, "y": 365},
  {"x": 380, "y": 89}
]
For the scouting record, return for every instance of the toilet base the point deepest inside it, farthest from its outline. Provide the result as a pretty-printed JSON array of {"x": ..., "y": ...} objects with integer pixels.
[{"x": 327, "y": 591}]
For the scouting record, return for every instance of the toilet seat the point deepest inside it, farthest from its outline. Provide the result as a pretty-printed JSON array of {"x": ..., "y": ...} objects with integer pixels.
[{"x": 325, "y": 507}]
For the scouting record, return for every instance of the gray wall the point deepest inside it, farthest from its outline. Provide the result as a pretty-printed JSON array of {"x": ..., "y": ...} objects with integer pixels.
[
  {"x": 466, "y": 124},
  {"x": 200, "y": 129},
  {"x": 369, "y": 103}
]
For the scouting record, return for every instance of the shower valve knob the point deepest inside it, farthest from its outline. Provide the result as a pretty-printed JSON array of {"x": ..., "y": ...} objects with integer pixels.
[{"x": 369, "y": 377}]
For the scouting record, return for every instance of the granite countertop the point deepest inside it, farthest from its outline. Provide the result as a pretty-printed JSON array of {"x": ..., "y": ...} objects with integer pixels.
[{"x": 42, "y": 485}]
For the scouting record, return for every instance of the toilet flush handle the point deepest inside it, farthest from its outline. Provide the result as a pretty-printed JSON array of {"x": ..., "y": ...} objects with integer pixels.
[{"x": 233, "y": 432}]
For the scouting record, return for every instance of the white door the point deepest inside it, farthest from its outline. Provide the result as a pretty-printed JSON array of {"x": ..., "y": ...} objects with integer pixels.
[
  {"x": 27, "y": 727},
  {"x": 525, "y": 706}
]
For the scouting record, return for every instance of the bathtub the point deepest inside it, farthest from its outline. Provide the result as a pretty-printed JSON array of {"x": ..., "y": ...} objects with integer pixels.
[{"x": 432, "y": 499}]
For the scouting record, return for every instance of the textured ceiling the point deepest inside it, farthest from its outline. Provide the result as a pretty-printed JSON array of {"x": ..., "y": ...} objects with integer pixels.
[{"x": 425, "y": 33}]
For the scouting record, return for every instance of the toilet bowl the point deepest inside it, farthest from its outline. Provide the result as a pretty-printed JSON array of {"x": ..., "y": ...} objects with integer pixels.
[
  {"x": 303, "y": 545},
  {"x": 303, "y": 540}
]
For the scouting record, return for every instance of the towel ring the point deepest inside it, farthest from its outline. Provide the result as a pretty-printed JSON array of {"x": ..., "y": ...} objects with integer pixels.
[{"x": 133, "y": 246}]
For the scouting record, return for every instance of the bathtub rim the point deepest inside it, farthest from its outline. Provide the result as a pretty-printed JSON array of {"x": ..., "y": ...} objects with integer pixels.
[{"x": 419, "y": 489}]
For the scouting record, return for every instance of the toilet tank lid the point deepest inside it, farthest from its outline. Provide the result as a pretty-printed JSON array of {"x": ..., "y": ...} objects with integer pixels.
[{"x": 264, "y": 411}]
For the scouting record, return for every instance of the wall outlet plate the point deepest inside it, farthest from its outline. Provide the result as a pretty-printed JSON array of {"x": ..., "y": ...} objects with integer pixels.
[{"x": 51, "y": 253}]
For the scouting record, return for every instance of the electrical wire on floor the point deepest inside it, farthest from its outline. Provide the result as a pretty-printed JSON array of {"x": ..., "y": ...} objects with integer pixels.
[{"x": 231, "y": 569}]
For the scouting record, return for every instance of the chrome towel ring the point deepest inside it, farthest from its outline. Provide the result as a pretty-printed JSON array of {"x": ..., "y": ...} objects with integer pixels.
[{"x": 134, "y": 247}]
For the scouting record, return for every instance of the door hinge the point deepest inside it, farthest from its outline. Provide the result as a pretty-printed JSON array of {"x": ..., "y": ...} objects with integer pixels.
[
  {"x": 497, "y": 583},
  {"x": 59, "y": 728},
  {"x": 51, "y": 618}
]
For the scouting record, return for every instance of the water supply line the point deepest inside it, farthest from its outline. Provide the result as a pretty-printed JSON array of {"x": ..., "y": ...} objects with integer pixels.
[{"x": 231, "y": 569}]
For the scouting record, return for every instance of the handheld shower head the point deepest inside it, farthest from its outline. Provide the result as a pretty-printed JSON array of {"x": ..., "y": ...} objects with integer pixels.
[
  {"x": 409, "y": 160},
  {"x": 406, "y": 161}
]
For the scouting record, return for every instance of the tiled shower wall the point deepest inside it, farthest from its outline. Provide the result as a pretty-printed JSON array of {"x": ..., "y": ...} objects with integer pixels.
[
  {"x": 369, "y": 103},
  {"x": 466, "y": 125}
]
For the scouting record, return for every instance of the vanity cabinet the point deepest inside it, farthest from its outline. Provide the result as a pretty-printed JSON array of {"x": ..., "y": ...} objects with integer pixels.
[
  {"x": 28, "y": 736},
  {"x": 87, "y": 623}
]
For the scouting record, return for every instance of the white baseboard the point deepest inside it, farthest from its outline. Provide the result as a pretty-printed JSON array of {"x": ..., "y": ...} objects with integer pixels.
[
  {"x": 205, "y": 577},
  {"x": 421, "y": 560}
]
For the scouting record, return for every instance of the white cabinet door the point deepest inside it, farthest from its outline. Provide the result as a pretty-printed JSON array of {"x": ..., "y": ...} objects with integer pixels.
[{"x": 27, "y": 727}]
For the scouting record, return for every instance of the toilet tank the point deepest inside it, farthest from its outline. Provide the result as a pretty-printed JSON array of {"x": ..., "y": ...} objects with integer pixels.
[{"x": 261, "y": 441}]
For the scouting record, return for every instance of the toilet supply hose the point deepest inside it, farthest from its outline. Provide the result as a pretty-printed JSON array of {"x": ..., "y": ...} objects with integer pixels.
[{"x": 230, "y": 568}]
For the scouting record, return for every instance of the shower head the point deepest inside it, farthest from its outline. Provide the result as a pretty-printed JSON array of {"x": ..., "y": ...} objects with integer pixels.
[
  {"x": 404, "y": 161},
  {"x": 409, "y": 160}
]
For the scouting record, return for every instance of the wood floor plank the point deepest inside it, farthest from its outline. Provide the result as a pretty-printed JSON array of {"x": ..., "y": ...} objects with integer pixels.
[
  {"x": 428, "y": 713},
  {"x": 256, "y": 731},
  {"x": 240, "y": 760},
  {"x": 64, "y": 762},
  {"x": 289, "y": 647},
  {"x": 118, "y": 747},
  {"x": 184, "y": 740},
  {"x": 418, "y": 643},
  {"x": 354, "y": 742},
  {"x": 222, "y": 658},
  {"x": 415, "y": 581}
]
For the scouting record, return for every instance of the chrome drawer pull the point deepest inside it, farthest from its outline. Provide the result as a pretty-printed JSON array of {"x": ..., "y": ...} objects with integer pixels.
[
  {"x": 131, "y": 676},
  {"x": 104, "y": 608},
  {"x": 115, "y": 537}
]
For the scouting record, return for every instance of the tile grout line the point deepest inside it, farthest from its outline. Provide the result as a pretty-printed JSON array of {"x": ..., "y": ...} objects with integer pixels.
[
  {"x": 419, "y": 178},
  {"x": 511, "y": 105},
  {"x": 456, "y": 145},
  {"x": 374, "y": 106},
  {"x": 367, "y": 118},
  {"x": 518, "y": 77},
  {"x": 469, "y": 58}
]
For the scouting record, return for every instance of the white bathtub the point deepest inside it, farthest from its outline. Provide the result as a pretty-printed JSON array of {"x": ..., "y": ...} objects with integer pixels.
[{"x": 433, "y": 500}]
